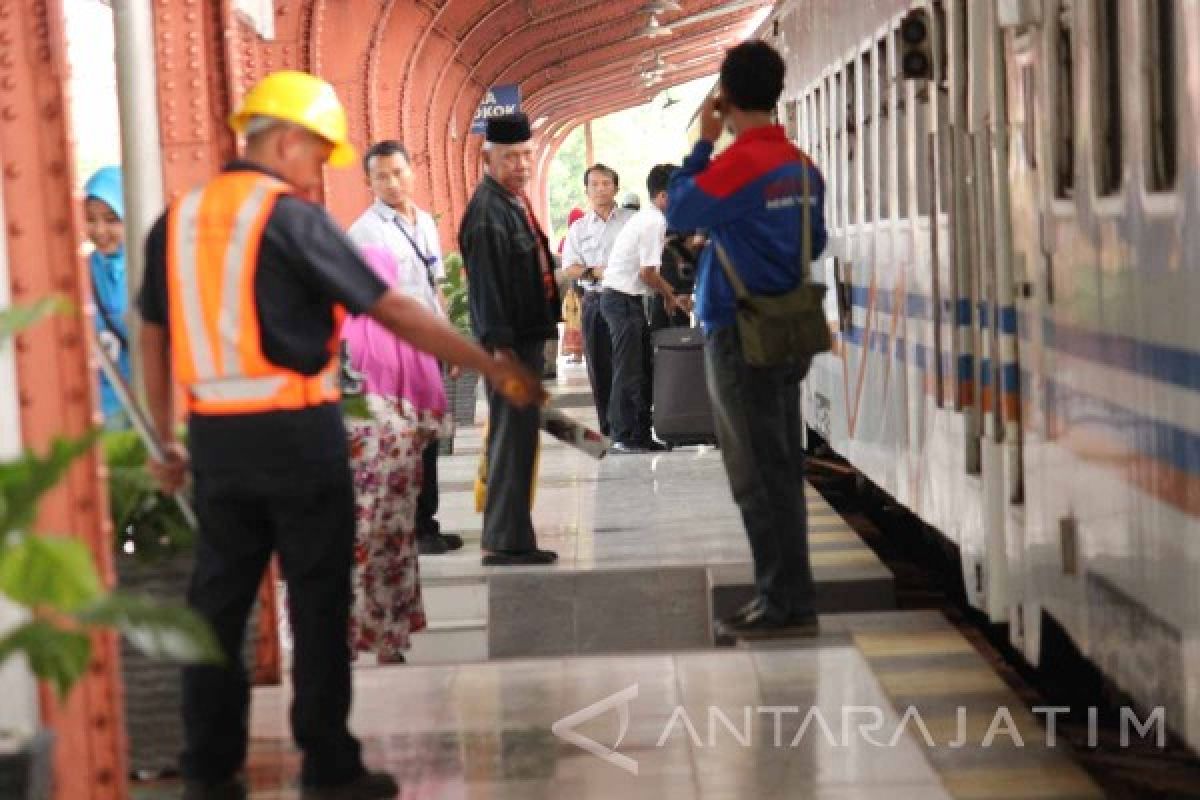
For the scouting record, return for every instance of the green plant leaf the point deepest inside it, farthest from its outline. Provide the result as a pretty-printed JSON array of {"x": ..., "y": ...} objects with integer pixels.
[
  {"x": 123, "y": 448},
  {"x": 24, "y": 480},
  {"x": 55, "y": 572},
  {"x": 159, "y": 630},
  {"x": 458, "y": 306},
  {"x": 17, "y": 318},
  {"x": 355, "y": 407},
  {"x": 55, "y": 655}
]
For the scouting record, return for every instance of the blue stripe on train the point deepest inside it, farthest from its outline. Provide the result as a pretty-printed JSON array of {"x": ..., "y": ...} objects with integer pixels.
[
  {"x": 1150, "y": 437},
  {"x": 1174, "y": 365},
  {"x": 1161, "y": 362}
]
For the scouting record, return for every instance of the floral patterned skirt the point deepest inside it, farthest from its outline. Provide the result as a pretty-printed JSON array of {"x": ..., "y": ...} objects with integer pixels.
[{"x": 385, "y": 455}]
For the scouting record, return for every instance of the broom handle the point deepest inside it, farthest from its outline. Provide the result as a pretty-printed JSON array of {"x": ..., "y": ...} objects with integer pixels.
[{"x": 141, "y": 424}]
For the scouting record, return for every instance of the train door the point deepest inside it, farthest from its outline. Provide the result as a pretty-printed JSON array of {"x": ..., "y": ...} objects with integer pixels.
[
  {"x": 1027, "y": 76},
  {"x": 985, "y": 342}
]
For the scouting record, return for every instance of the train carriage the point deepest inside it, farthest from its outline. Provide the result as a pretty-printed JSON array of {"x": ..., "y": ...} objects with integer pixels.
[{"x": 1012, "y": 264}]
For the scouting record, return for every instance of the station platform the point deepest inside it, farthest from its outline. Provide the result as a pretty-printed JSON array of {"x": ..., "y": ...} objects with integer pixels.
[
  {"x": 651, "y": 550},
  {"x": 598, "y": 677}
]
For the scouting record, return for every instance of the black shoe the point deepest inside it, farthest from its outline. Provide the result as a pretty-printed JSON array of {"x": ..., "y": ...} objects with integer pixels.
[
  {"x": 452, "y": 541},
  {"x": 759, "y": 624},
  {"x": 525, "y": 558},
  {"x": 432, "y": 544},
  {"x": 232, "y": 789},
  {"x": 655, "y": 446},
  {"x": 368, "y": 786},
  {"x": 626, "y": 449}
]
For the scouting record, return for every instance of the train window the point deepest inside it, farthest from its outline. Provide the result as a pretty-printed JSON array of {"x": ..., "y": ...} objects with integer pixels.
[
  {"x": 1029, "y": 96},
  {"x": 804, "y": 140},
  {"x": 1158, "y": 69},
  {"x": 791, "y": 123},
  {"x": 851, "y": 155},
  {"x": 921, "y": 142},
  {"x": 1106, "y": 97},
  {"x": 870, "y": 137},
  {"x": 886, "y": 122},
  {"x": 818, "y": 126},
  {"x": 1064, "y": 101},
  {"x": 829, "y": 120},
  {"x": 903, "y": 91},
  {"x": 836, "y": 122},
  {"x": 943, "y": 162}
]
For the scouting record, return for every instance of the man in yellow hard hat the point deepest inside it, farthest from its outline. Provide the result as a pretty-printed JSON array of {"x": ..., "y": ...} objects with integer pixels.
[{"x": 245, "y": 285}]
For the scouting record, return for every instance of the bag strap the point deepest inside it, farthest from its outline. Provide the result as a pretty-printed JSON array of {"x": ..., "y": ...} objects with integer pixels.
[
  {"x": 739, "y": 288},
  {"x": 806, "y": 212},
  {"x": 426, "y": 260},
  {"x": 806, "y": 235}
]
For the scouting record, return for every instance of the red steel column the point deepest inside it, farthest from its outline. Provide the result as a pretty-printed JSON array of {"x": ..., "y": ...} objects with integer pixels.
[
  {"x": 194, "y": 92},
  {"x": 57, "y": 396}
]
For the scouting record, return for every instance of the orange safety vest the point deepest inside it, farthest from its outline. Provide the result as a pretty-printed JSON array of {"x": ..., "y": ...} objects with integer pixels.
[{"x": 213, "y": 237}]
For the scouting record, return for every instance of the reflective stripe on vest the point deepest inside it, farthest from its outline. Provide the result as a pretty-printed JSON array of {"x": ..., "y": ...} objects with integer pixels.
[{"x": 215, "y": 233}]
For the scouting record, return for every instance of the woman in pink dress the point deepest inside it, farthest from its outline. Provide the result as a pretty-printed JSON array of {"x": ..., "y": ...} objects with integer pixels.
[
  {"x": 404, "y": 392},
  {"x": 572, "y": 308}
]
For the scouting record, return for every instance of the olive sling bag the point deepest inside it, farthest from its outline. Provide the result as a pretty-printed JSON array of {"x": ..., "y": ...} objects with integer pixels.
[{"x": 786, "y": 329}]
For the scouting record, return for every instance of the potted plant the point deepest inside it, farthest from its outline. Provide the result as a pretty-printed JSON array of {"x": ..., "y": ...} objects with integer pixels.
[
  {"x": 460, "y": 391},
  {"x": 54, "y": 581},
  {"x": 154, "y": 546}
]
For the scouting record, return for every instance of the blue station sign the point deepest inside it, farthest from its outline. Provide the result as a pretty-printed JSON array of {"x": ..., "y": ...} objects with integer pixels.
[{"x": 499, "y": 100}]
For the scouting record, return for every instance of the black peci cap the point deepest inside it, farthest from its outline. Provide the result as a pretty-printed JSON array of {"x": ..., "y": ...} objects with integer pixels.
[{"x": 509, "y": 129}]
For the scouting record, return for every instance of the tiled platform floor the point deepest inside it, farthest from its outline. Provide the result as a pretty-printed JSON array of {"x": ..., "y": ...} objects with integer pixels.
[
  {"x": 653, "y": 541},
  {"x": 485, "y": 730},
  {"x": 881, "y": 694}
]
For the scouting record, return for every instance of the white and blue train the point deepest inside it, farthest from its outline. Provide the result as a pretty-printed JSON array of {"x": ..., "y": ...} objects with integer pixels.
[{"x": 1014, "y": 265}]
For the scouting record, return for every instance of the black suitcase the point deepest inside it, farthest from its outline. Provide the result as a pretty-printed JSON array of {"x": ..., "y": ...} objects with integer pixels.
[{"x": 682, "y": 410}]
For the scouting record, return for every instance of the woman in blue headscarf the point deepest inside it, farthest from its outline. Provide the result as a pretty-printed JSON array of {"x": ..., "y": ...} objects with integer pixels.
[{"x": 104, "y": 210}]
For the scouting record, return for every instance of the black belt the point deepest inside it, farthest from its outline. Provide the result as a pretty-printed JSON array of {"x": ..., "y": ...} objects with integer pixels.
[{"x": 633, "y": 298}]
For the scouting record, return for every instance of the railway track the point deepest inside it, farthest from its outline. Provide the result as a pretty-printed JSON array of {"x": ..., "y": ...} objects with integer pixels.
[{"x": 928, "y": 576}]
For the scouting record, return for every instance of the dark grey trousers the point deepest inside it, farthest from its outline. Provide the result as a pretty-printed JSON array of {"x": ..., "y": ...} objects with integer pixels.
[
  {"x": 757, "y": 412},
  {"x": 512, "y": 451},
  {"x": 597, "y": 346}
]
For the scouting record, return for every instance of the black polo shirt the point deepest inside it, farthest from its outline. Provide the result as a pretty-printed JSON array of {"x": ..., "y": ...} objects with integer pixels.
[{"x": 305, "y": 266}]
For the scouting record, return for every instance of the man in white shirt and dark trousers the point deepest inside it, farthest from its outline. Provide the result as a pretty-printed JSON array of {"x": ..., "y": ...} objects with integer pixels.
[
  {"x": 584, "y": 258},
  {"x": 394, "y": 221},
  {"x": 631, "y": 276}
]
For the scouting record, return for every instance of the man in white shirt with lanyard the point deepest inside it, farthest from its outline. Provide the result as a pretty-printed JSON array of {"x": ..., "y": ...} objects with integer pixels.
[
  {"x": 584, "y": 257},
  {"x": 394, "y": 221},
  {"x": 633, "y": 274}
]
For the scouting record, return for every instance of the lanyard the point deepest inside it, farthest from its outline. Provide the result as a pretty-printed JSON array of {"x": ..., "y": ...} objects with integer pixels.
[{"x": 427, "y": 260}]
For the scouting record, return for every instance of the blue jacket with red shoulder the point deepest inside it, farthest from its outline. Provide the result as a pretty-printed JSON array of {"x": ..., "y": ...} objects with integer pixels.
[{"x": 750, "y": 199}]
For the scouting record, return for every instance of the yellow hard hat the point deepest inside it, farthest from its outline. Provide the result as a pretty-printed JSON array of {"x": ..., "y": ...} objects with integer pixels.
[{"x": 305, "y": 100}]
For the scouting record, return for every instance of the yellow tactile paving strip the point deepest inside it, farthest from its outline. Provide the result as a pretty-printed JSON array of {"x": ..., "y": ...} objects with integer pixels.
[
  {"x": 923, "y": 643},
  {"x": 933, "y": 682},
  {"x": 935, "y": 671},
  {"x": 852, "y": 557},
  {"x": 1057, "y": 781}
]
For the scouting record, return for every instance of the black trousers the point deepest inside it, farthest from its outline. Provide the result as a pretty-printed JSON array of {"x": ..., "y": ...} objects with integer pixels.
[
  {"x": 632, "y": 381},
  {"x": 306, "y": 515},
  {"x": 597, "y": 346},
  {"x": 512, "y": 451},
  {"x": 429, "y": 499}
]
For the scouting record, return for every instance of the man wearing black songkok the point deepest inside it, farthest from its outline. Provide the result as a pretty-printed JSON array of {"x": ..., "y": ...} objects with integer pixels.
[{"x": 514, "y": 307}]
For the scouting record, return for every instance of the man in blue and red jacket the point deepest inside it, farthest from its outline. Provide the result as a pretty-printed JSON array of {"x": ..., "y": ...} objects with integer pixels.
[{"x": 751, "y": 200}]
